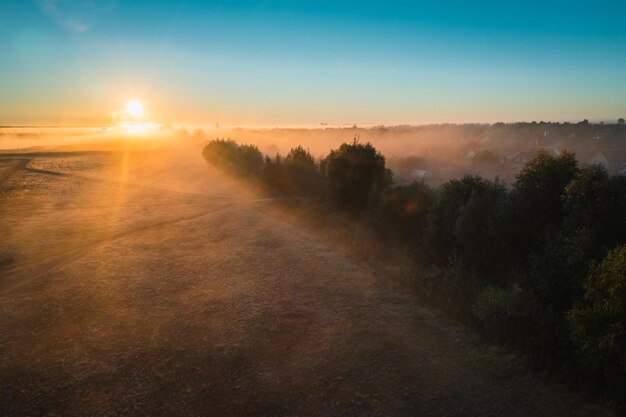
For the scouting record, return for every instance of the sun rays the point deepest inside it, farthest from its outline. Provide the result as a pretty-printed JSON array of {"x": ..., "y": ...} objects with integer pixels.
[{"x": 132, "y": 119}]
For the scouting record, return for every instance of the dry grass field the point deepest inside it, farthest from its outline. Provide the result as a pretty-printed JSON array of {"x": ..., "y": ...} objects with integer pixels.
[{"x": 144, "y": 283}]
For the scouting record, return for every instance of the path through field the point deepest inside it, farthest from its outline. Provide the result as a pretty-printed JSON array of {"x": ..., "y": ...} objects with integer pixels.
[{"x": 147, "y": 284}]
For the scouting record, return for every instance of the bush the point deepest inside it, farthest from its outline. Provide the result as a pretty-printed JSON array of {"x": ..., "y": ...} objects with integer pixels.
[{"x": 505, "y": 313}]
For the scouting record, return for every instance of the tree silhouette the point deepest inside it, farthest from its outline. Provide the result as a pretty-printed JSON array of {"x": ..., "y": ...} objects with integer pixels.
[{"x": 354, "y": 172}]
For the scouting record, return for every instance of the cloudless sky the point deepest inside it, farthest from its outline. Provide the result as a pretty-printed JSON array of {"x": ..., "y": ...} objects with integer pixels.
[{"x": 306, "y": 62}]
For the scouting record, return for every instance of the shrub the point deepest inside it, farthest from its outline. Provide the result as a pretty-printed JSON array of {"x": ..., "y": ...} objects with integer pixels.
[{"x": 500, "y": 311}]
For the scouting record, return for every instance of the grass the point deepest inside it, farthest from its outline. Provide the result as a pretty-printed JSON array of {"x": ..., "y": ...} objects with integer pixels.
[{"x": 191, "y": 296}]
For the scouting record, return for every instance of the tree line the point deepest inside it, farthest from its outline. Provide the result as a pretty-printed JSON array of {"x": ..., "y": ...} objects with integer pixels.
[{"x": 539, "y": 265}]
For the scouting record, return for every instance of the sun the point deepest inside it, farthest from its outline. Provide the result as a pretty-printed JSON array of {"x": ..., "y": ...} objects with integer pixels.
[
  {"x": 134, "y": 109},
  {"x": 132, "y": 119}
]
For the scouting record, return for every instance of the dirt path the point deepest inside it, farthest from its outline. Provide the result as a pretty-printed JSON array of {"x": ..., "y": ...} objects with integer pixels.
[{"x": 224, "y": 310}]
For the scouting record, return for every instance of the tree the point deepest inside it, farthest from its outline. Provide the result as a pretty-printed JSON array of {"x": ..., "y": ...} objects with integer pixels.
[
  {"x": 478, "y": 232},
  {"x": 302, "y": 175},
  {"x": 585, "y": 198},
  {"x": 442, "y": 234},
  {"x": 251, "y": 160},
  {"x": 535, "y": 210},
  {"x": 245, "y": 160},
  {"x": 599, "y": 322},
  {"x": 354, "y": 173},
  {"x": 621, "y": 121},
  {"x": 593, "y": 223},
  {"x": 220, "y": 152},
  {"x": 273, "y": 175},
  {"x": 301, "y": 156},
  {"x": 402, "y": 212},
  {"x": 594, "y": 207},
  {"x": 559, "y": 270},
  {"x": 486, "y": 157}
]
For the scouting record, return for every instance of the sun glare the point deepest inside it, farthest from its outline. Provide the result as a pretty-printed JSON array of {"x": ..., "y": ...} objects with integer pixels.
[
  {"x": 134, "y": 109},
  {"x": 132, "y": 119}
]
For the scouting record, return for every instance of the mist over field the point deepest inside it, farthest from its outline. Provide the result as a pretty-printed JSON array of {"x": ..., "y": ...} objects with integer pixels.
[
  {"x": 263, "y": 281},
  {"x": 431, "y": 153},
  {"x": 312, "y": 208}
]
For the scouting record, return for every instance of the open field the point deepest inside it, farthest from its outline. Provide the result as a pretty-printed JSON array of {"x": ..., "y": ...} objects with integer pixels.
[{"x": 145, "y": 283}]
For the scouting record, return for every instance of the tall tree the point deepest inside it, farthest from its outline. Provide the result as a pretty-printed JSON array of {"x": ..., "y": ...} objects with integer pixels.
[{"x": 354, "y": 172}]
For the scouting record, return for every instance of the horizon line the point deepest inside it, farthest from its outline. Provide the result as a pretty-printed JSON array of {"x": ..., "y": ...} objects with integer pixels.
[{"x": 216, "y": 126}]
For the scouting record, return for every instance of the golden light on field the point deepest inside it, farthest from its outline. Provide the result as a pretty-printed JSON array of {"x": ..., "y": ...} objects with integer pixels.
[
  {"x": 137, "y": 128},
  {"x": 134, "y": 109}
]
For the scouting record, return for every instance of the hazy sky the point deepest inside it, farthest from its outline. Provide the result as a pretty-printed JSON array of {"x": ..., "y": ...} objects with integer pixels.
[{"x": 306, "y": 62}]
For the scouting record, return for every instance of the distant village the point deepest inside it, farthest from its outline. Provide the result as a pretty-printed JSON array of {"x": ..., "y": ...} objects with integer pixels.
[{"x": 501, "y": 150}]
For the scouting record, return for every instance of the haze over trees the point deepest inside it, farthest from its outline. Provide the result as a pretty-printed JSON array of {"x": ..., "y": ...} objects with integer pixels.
[{"x": 538, "y": 265}]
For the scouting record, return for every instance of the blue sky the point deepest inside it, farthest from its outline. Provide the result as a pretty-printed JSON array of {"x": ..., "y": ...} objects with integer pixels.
[{"x": 301, "y": 62}]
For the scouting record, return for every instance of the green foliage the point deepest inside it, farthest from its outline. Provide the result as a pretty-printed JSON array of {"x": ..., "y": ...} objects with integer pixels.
[
  {"x": 586, "y": 197},
  {"x": 537, "y": 202},
  {"x": 498, "y": 309},
  {"x": 354, "y": 173},
  {"x": 587, "y": 232},
  {"x": 593, "y": 223},
  {"x": 599, "y": 321},
  {"x": 478, "y": 232},
  {"x": 457, "y": 215},
  {"x": 594, "y": 204}
]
